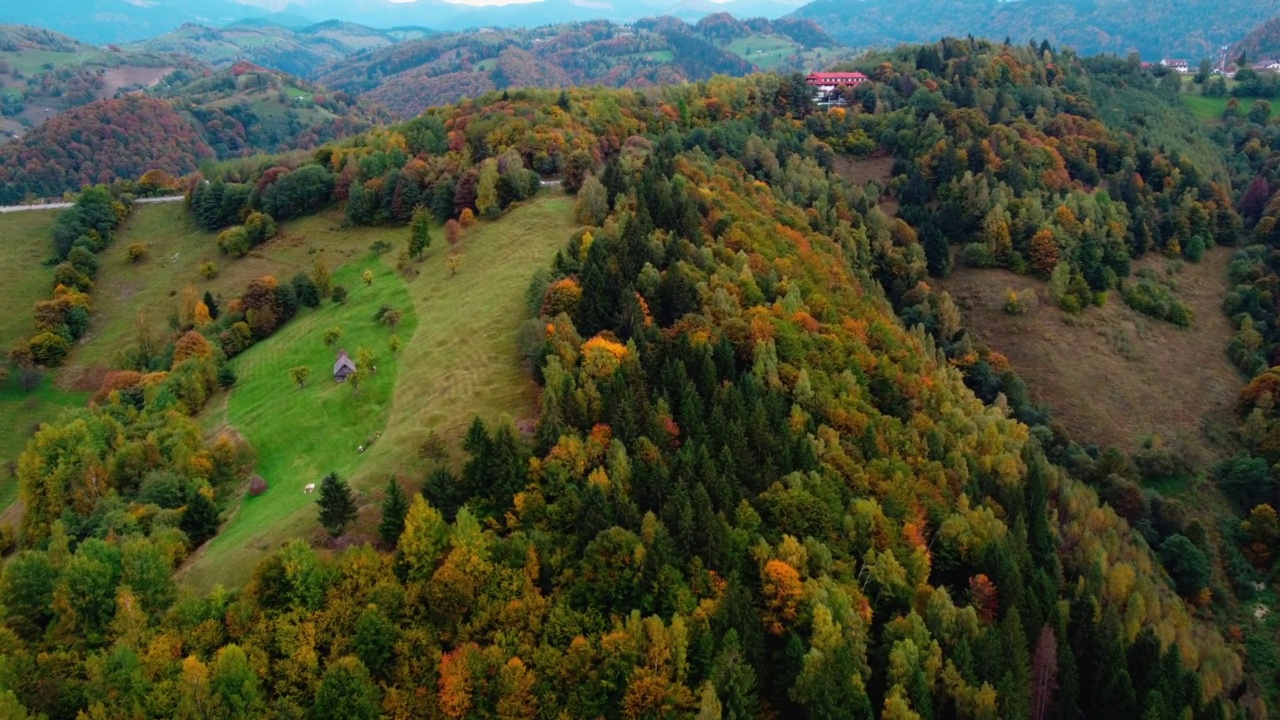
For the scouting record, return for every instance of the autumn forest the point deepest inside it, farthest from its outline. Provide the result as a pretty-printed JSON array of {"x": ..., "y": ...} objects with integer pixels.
[{"x": 769, "y": 469}]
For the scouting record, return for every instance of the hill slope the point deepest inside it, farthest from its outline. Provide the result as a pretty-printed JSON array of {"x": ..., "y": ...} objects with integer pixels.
[
  {"x": 97, "y": 143},
  {"x": 1156, "y": 29},
  {"x": 299, "y": 52},
  {"x": 412, "y": 76},
  {"x": 1262, "y": 43}
]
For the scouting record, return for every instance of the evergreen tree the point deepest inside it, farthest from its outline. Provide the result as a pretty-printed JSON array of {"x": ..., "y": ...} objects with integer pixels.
[
  {"x": 200, "y": 520},
  {"x": 337, "y": 506},
  {"x": 212, "y": 304},
  {"x": 394, "y": 509}
]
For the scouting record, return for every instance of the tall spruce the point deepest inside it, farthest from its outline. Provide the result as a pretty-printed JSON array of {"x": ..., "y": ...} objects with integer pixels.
[
  {"x": 337, "y": 506},
  {"x": 394, "y": 508},
  {"x": 200, "y": 520}
]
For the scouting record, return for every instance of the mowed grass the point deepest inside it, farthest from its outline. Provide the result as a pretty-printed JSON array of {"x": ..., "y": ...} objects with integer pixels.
[
  {"x": 460, "y": 360},
  {"x": 302, "y": 434},
  {"x": 764, "y": 51},
  {"x": 151, "y": 290},
  {"x": 1207, "y": 110}
]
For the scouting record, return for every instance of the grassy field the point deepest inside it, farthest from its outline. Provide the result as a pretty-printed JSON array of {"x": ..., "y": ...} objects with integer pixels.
[
  {"x": 459, "y": 360},
  {"x": 1207, "y": 110},
  {"x": 152, "y": 288},
  {"x": 302, "y": 434},
  {"x": 763, "y": 51},
  {"x": 23, "y": 275}
]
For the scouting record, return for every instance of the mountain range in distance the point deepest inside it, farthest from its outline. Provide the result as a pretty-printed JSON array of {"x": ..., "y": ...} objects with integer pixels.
[{"x": 120, "y": 21}]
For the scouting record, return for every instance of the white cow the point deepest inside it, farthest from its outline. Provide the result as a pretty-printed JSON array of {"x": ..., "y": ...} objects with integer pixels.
[{"x": 310, "y": 488}]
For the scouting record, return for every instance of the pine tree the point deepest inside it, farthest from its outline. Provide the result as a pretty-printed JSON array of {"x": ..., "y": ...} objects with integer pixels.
[
  {"x": 200, "y": 521},
  {"x": 394, "y": 509},
  {"x": 212, "y": 304},
  {"x": 337, "y": 506}
]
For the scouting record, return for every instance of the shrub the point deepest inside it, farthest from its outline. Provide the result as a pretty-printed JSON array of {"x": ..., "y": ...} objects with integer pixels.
[
  {"x": 234, "y": 242},
  {"x": 260, "y": 228},
  {"x": 226, "y": 377},
  {"x": 379, "y": 247},
  {"x": 1158, "y": 301},
  {"x": 1194, "y": 251},
  {"x": 208, "y": 270},
  {"x": 339, "y": 294},
  {"x": 137, "y": 252},
  {"x": 978, "y": 255},
  {"x": 49, "y": 349}
]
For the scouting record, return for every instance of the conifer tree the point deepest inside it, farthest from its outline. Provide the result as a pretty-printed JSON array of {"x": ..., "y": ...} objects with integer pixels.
[
  {"x": 200, "y": 521},
  {"x": 394, "y": 509},
  {"x": 337, "y": 506}
]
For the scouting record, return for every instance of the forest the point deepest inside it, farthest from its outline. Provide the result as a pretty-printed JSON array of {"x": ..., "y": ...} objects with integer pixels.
[
  {"x": 1193, "y": 29},
  {"x": 772, "y": 474}
]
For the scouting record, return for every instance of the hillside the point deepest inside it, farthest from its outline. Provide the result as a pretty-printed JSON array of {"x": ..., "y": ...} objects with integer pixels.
[
  {"x": 769, "y": 472},
  {"x": 415, "y": 75},
  {"x": 185, "y": 116},
  {"x": 299, "y": 51},
  {"x": 96, "y": 143},
  {"x": 43, "y": 73},
  {"x": 1262, "y": 43},
  {"x": 1190, "y": 30}
]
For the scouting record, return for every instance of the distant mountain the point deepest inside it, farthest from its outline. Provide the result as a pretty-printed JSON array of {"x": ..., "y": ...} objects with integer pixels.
[
  {"x": 235, "y": 112},
  {"x": 1155, "y": 28},
  {"x": 119, "y": 21},
  {"x": 411, "y": 76},
  {"x": 1263, "y": 43},
  {"x": 298, "y": 52}
]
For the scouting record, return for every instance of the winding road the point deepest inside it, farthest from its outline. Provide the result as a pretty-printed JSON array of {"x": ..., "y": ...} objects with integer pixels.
[{"x": 64, "y": 205}]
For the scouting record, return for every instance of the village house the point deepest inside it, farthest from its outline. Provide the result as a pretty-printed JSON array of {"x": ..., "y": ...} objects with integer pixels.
[
  {"x": 343, "y": 367},
  {"x": 1267, "y": 66},
  {"x": 1181, "y": 66}
]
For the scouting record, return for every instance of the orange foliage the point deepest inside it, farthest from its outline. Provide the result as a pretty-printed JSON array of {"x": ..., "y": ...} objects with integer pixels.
[
  {"x": 782, "y": 591},
  {"x": 191, "y": 344},
  {"x": 984, "y": 597}
]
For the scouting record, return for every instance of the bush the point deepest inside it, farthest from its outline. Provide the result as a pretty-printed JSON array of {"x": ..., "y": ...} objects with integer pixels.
[
  {"x": 379, "y": 247},
  {"x": 137, "y": 252},
  {"x": 49, "y": 349},
  {"x": 234, "y": 242},
  {"x": 1158, "y": 301},
  {"x": 260, "y": 228},
  {"x": 1246, "y": 481},
  {"x": 978, "y": 255},
  {"x": 339, "y": 294},
  {"x": 226, "y": 377},
  {"x": 1194, "y": 251},
  {"x": 208, "y": 270}
]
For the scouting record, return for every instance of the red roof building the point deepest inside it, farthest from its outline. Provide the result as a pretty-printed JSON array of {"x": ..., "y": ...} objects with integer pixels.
[{"x": 832, "y": 79}]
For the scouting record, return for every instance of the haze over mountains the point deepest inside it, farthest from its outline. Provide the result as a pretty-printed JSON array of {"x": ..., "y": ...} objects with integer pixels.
[{"x": 107, "y": 21}]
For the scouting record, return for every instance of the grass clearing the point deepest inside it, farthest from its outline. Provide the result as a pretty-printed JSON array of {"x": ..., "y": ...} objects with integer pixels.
[
  {"x": 302, "y": 434},
  {"x": 1207, "y": 110},
  {"x": 763, "y": 51},
  {"x": 1160, "y": 380},
  {"x": 459, "y": 360},
  {"x": 23, "y": 275},
  {"x": 177, "y": 247}
]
